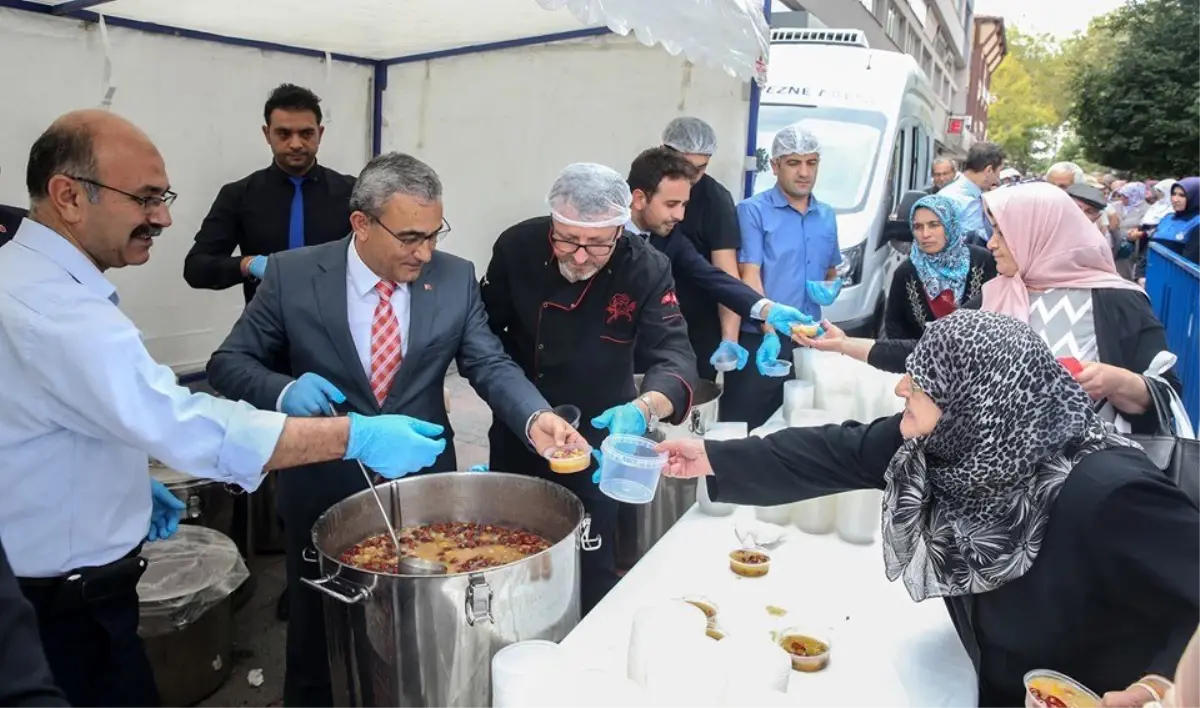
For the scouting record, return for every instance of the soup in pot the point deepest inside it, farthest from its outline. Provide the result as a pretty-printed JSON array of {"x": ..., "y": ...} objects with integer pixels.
[{"x": 462, "y": 546}]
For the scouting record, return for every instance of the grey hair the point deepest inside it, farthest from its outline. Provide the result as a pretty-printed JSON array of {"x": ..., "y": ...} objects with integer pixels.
[
  {"x": 394, "y": 173},
  {"x": 946, "y": 160},
  {"x": 1071, "y": 167}
]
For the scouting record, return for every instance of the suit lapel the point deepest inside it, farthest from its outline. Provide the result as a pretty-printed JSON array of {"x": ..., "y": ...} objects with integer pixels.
[
  {"x": 422, "y": 306},
  {"x": 330, "y": 286}
]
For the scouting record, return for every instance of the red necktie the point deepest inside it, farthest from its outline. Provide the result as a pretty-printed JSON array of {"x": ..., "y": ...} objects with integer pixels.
[{"x": 385, "y": 342}]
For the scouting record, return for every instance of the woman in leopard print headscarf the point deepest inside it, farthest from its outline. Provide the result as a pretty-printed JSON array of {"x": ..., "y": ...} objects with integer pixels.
[{"x": 1054, "y": 542}]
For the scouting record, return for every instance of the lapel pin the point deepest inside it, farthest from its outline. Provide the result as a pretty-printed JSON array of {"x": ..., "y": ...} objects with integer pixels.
[{"x": 428, "y": 286}]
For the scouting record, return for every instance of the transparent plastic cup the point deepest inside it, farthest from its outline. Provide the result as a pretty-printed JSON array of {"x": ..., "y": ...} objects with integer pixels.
[
  {"x": 724, "y": 361},
  {"x": 1041, "y": 684},
  {"x": 631, "y": 468},
  {"x": 776, "y": 368}
]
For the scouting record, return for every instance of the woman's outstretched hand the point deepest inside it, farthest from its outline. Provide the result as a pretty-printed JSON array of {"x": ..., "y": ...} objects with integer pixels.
[
  {"x": 832, "y": 341},
  {"x": 686, "y": 459}
]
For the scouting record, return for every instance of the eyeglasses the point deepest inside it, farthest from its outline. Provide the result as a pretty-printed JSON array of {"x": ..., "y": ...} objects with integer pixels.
[
  {"x": 151, "y": 203},
  {"x": 592, "y": 249},
  {"x": 412, "y": 239}
]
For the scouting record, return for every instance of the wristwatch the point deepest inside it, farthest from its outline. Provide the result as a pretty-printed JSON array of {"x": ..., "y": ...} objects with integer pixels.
[
  {"x": 651, "y": 414},
  {"x": 533, "y": 419}
]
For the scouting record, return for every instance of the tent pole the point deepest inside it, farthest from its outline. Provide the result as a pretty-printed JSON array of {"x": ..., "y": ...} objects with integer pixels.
[
  {"x": 74, "y": 5},
  {"x": 378, "y": 86},
  {"x": 752, "y": 121}
]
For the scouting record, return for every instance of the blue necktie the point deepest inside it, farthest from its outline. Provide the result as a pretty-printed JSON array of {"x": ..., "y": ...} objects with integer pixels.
[{"x": 296, "y": 222}]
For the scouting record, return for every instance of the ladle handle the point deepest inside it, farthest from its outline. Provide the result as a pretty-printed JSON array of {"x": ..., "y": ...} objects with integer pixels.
[{"x": 387, "y": 518}]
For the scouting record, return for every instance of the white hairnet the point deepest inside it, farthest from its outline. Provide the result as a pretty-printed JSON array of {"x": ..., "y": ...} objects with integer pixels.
[
  {"x": 690, "y": 135},
  {"x": 589, "y": 195},
  {"x": 794, "y": 141}
]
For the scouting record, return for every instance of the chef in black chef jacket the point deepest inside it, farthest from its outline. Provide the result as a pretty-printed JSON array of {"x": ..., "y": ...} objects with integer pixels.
[
  {"x": 568, "y": 294},
  {"x": 295, "y": 202},
  {"x": 711, "y": 224}
]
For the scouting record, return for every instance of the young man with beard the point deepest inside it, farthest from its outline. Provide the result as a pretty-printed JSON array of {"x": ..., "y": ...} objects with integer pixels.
[{"x": 292, "y": 203}]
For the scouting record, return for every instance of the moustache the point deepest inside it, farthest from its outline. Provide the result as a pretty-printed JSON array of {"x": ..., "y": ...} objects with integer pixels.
[{"x": 146, "y": 231}]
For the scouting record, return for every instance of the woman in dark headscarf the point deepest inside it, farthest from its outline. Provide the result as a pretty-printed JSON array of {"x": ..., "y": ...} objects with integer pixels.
[
  {"x": 1180, "y": 231},
  {"x": 942, "y": 272},
  {"x": 1054, "y": 542}
]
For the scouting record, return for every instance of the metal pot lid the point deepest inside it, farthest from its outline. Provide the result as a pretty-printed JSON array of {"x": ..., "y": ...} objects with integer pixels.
[
  {"x": 195, "y": 565},
  {"x": 173, "y": 478}
]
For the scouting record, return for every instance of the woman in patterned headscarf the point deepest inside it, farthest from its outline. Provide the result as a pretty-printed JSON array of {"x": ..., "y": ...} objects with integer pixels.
[
  {"x": 942, "y": 272},
  {"x": 1133, "y": 209},
  {"x": 1054, "y": 542}
]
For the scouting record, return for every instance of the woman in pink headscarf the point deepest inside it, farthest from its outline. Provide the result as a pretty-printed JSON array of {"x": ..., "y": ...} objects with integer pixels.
[{"x": 1056, "y": 272}]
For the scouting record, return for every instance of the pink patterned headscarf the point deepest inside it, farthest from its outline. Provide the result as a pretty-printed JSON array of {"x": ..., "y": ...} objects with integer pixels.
[{"x": 1054, "y": 246}]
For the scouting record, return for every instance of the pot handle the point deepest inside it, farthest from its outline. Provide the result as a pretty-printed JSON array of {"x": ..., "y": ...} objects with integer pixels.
[
  {"x": 696, "y": 422},
  {"x": 339, "y": 589},
  {"x": 478, "y": 603},
  {"x": 309, "y": 555},
  {"x": 586, "y": 541}
]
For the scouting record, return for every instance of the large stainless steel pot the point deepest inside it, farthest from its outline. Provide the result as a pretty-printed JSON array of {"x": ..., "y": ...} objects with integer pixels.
[
  {"x": 639, "y": 526},
  {"x": 417, "y": 640}
]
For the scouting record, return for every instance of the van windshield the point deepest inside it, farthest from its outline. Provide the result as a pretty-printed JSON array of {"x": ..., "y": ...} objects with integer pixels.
[{"x": 849, "y": 149}]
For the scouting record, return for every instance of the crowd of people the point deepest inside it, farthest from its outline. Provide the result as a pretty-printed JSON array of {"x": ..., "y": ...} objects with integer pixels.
[{"x": 1013, "y": 489}]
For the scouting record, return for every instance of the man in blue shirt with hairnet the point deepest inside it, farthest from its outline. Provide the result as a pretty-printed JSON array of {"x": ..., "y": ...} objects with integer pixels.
[{"x": 789, "y": 249}]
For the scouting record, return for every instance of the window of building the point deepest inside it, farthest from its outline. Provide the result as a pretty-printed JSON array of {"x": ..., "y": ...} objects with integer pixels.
[
  {"x": 927, "y": 63},
  {"x": 889, "y": 25},
  {"x": 879, "y": 9},
  {"x": 914, "y": 44}
]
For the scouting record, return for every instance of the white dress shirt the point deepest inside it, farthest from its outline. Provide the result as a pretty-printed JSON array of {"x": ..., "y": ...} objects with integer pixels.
[
  {"x": 83, "y": 404},
  {"x": 361, "y": 300}
]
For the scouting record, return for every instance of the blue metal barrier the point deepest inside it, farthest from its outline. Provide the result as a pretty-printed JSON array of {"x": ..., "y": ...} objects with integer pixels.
[{"x": 1173, "y": 284}]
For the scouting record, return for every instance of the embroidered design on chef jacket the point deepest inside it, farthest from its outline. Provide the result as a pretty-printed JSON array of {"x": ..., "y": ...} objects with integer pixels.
[
  {"x": 620, "y": 306},
  {"x": 669, "y": 299}
]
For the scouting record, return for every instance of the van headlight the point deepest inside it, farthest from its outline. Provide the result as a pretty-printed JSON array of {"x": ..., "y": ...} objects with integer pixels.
[{"x": 850, "y": 269}]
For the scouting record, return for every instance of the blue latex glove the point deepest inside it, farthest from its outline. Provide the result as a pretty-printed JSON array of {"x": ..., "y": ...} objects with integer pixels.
[
  {"x": 767, "y": 351},
  {"x": 310, "y": 395},
  {"x": 782, "y": 318},
  {"x": 258, "y": 267},
  {"x": 823, "y": 293},
  {"x": 165, "y": 512},
  {"x": 393, "y": 445},
  {"x": 728, "y": 349},
  {"x": 478, "y": 468},
  {"x": 625, "y": 419}
]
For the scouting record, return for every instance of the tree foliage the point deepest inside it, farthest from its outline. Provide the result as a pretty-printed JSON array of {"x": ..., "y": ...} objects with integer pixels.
[
  {"x": 1136, "y": 92},
  {"x": 1030, "y": 103}
]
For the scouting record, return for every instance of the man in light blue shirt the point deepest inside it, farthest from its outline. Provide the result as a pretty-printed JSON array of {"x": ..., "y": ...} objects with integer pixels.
[
  {"x": 789, "y": 238},
  {"x": 84, "y": 404},
  {"x": 980, "y": 173}
]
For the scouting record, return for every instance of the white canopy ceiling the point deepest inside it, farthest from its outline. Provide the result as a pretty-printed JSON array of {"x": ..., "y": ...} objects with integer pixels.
[{"x": 729, "y": 34}]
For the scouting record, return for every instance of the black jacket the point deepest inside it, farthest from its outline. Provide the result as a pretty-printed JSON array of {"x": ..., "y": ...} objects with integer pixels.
[
  {"x": 1112, "y": 594},
  {"x": 908, "y": 308},
  {"x": 25, "y": 678},
  {"x": 575, "y": 341},
  {"x": 1128, "y": 335},
  {"x": 10, "y": 219},
  {"x": 252, "y": 216}
]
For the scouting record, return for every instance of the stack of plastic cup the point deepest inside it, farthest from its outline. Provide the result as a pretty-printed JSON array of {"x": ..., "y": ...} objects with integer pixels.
[
  {"x": 658, "y": 629},
  {"x": 523, "y": 673},
  {"x": 718, "y": 431}
]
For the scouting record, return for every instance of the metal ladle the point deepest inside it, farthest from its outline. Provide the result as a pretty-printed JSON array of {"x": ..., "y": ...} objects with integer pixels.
[{"x": 411, "y": 565}]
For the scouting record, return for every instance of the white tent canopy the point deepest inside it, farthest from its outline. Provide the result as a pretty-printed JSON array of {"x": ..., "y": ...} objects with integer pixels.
[
  {"x": 496, "y": 95},
  {"x": 729, "y": 34}
]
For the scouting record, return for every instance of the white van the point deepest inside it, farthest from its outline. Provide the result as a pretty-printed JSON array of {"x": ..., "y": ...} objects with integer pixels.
[{"x": 873, "y": 113}]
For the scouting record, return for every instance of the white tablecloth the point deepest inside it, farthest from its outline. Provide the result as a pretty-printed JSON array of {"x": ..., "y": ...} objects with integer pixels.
[{"x": 886, "y": 649}]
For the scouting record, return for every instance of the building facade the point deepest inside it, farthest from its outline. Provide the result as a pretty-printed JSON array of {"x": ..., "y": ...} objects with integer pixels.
[
  {"x": 988, "y": 47},
  {"x": 938, "y": 34}
]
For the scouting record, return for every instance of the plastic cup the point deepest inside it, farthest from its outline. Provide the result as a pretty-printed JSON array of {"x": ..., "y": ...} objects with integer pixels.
[
  {"x": 631, "y": 468},
  {"x": 776, "y": 368},
  {"x": 568, "y": 413},
  {"x": 520, "y": 671},
  {"x": 724, "y": 361},
  {"x": 1040, "y": 682},
  {"x": 570, "y": 458}
]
